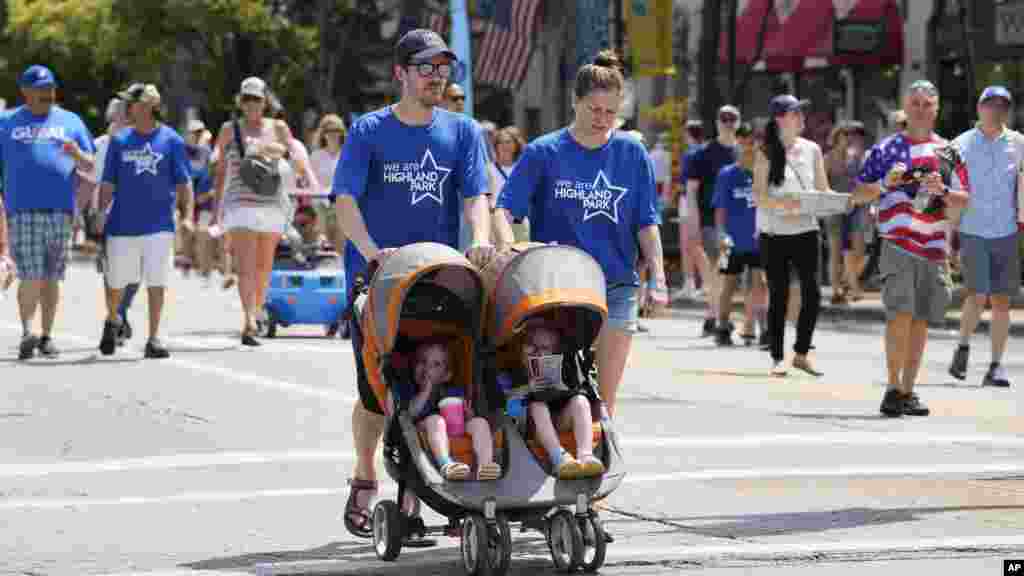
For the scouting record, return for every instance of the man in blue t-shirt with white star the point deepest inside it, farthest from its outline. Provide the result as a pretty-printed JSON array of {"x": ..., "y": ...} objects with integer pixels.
[
  {"x": 44, "y": 151},
  {"x": 406, "y": 174},
  {"x": 146, "y": 171}
]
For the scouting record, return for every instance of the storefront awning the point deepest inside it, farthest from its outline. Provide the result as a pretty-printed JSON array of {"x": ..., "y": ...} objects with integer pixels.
[{"x": 801, "y": 33}]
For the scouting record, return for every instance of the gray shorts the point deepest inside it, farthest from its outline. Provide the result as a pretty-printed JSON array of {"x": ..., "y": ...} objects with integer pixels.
[
  {"x": 709, "y": 235},
  {"x": 991, "y": 265},
  {"x": 913, "y": 285}
]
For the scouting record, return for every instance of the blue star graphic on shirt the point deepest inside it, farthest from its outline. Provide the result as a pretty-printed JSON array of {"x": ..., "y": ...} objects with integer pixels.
[
  {"x": 601, "y": 189},
  {"x": 145, "y": 160},
  {"x": 428, "y": 184}
]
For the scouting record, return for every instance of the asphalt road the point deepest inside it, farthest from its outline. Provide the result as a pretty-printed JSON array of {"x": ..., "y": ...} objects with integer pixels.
[{"x": 222, "y": 460}]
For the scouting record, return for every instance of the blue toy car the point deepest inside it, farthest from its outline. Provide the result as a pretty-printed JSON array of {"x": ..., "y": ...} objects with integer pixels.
[{"x": 308, "y": 289}]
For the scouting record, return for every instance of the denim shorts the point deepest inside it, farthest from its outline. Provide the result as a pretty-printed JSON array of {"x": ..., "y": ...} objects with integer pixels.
[{"x": 623, "y": 307}]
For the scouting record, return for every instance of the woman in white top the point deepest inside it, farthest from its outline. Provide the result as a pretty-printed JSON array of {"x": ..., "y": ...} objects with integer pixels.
[
  {"x": 787, "y": 166},
  {"x": 330, "y": 135},
  {"x": 508, "y": 145},
  {"x": 254, "y": 223}
]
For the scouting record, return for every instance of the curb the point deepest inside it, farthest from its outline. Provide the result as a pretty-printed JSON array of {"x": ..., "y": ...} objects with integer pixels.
[{"x": 866, "y": 314}]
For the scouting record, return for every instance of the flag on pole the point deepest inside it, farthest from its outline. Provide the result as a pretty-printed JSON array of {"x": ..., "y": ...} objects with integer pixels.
[{"x": 507, "y": 43}]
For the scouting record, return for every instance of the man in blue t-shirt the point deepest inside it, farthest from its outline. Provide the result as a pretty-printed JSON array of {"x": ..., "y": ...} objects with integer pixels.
[
  {"x": 406, "y": 174},
  {"x": 43, "y": 150},
  {"x": 145, "y": 172},
  {"x": 706, "y": 163},
  {"x": 735, "y": 216}
]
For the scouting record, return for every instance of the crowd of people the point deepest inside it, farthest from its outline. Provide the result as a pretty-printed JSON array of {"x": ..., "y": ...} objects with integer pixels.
[
  {"x": 421, "y": 170},
  {"x": 929, "y": 208}
]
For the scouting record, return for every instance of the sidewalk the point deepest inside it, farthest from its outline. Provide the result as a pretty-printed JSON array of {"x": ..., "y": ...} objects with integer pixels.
[{"x": 870, "y": 309}]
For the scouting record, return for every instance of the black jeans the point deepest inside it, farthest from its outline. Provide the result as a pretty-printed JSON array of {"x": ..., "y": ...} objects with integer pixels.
[{"x": 780, "y": 254}]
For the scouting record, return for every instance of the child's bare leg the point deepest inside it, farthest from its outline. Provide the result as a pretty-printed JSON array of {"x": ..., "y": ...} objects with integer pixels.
[
  {"x": 483, "y": 446},
  {"x": 541, "y": 416},
  {"x": 437, "y": 436},
  {"x": 576, "y": 417}
]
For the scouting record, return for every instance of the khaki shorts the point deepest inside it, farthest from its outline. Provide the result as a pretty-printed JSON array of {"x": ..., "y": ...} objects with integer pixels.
[{"x": 913, "y": 285}]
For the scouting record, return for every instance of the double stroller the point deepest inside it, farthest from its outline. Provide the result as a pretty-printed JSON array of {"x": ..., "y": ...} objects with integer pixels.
[{"x": 426, "y": 290}]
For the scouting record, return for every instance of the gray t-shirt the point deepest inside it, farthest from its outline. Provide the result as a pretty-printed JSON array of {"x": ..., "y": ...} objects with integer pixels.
[{"x": 799, "y": 177}]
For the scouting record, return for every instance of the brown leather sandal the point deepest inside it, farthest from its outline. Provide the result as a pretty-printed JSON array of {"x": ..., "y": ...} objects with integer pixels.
[{"x": 359, "y": 520}]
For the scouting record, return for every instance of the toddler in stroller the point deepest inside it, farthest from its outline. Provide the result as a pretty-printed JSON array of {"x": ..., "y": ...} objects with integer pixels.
[{"x": 439, "y": 410}]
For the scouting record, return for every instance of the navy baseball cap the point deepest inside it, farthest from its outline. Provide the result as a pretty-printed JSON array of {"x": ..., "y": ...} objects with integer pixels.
[
  {"x": 787, "y": 103},
  {"x": 996, "y": 92},
  {"x": 420, "y": 45},
  {"x": 37, "y": 76}
]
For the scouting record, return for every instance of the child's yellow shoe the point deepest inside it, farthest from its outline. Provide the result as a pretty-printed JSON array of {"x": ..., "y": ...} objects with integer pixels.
[
  {"x": 591, "y": 466},
  {"x": 568, "y": 468}
]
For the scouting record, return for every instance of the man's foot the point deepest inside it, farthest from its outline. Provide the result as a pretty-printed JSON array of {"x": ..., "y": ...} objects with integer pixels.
[
  {"x": 802, "y": 363},
  {"x": 892, "y": 403},
  {"x": 912, "y": 406},
  {"x": 47, "y": 349},
  {"x": 124, "y": 333},
  {"x": 155, "y": 350},
  {"x": 108, "y": 342},
  {"x": 642, "y": 329},
  {"x": 708, "y": 329},
  {"x": 958, "y": 368},
  {"x": 27, "y": 349},
  {"x": 723, "y": 337},
  {"x": 996, "y": 376},
  {"x": 249, "y": 340}
]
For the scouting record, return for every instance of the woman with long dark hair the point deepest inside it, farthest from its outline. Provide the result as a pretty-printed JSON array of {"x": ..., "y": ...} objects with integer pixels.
[{"x": 787, "y": 166}]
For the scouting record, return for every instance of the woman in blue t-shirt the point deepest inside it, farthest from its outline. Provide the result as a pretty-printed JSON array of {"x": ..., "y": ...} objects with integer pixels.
[{"x": 590, "y": 186}]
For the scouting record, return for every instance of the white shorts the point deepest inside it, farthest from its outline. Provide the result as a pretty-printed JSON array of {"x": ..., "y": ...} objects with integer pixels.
[
  {"x": 132, "y": 259},
  {"x": 268, "y": 219},
  {"x": 682, "y": 207}
]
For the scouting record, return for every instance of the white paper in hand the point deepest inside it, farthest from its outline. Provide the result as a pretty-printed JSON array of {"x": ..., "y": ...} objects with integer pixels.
[{"x": 215, "y": 231}]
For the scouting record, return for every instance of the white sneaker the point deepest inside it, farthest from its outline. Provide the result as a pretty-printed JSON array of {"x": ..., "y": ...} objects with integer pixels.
[{"x": 778, "y": 368}]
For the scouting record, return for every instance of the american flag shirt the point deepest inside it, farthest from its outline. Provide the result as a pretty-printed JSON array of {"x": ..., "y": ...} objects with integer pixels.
[{"x": 920, "y": 232}]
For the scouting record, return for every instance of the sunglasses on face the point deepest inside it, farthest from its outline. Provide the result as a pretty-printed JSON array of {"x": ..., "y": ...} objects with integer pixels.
[
  {"x": 426, "y": 70},
  {"x": 727, "y": 119},
  {"x": 250, "y": 98}
]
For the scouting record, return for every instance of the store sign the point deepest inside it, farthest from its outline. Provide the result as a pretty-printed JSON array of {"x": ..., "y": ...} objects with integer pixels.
[
  {"x": 1009, "y": 24},
  {"x": 854, "y": 37}
]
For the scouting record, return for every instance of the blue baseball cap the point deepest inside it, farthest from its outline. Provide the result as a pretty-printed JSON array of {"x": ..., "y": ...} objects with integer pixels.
[
  {"x": 37, "y": 77},
  {"x": 421, "y": 45},
  {"x": 787, "y": 103},
  {"x": 996, "y": 92}
]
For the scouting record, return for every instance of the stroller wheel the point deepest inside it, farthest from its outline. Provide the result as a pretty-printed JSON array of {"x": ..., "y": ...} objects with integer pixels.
[
  {"x": 486, "y": 549},
  {"x": 332, "y": 330},
  {"x": 387, "y": 530},
  {"x": 595, "y": 545},
  {"x": 565, "y": 540}
]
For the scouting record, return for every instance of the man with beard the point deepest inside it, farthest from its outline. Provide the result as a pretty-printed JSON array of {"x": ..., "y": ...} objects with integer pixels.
[
  {"x": 44, "y": 150},
  {"x": 406, "y": 174}
]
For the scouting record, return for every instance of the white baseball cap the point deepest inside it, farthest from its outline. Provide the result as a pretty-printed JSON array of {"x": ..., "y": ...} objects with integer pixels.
[{"x": 253, "y": 86}]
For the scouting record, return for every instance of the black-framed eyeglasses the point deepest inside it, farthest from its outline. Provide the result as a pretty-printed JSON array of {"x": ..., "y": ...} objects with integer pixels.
[{"x": 427, "y": 69}]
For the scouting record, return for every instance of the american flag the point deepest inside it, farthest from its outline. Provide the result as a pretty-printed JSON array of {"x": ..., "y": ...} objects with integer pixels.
[{"x": 507, "y": 43}]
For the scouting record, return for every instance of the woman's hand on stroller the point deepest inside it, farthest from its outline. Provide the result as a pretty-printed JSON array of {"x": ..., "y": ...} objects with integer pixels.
[{"x": 480, "y": 254}]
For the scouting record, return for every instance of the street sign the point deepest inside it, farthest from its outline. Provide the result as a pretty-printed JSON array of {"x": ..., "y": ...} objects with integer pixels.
[{"x": 857, "y": 37}]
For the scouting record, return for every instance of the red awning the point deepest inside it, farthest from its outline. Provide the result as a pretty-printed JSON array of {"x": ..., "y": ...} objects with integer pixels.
[{"x": 800, "y": 29}]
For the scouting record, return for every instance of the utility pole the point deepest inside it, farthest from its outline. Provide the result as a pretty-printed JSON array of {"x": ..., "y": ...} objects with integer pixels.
[
  {"x": 620, "y": 29},
  {"x": 732, "y": 50},
  {"x": 711, "y": 30},
  {"x": 967, "y": 25}
]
